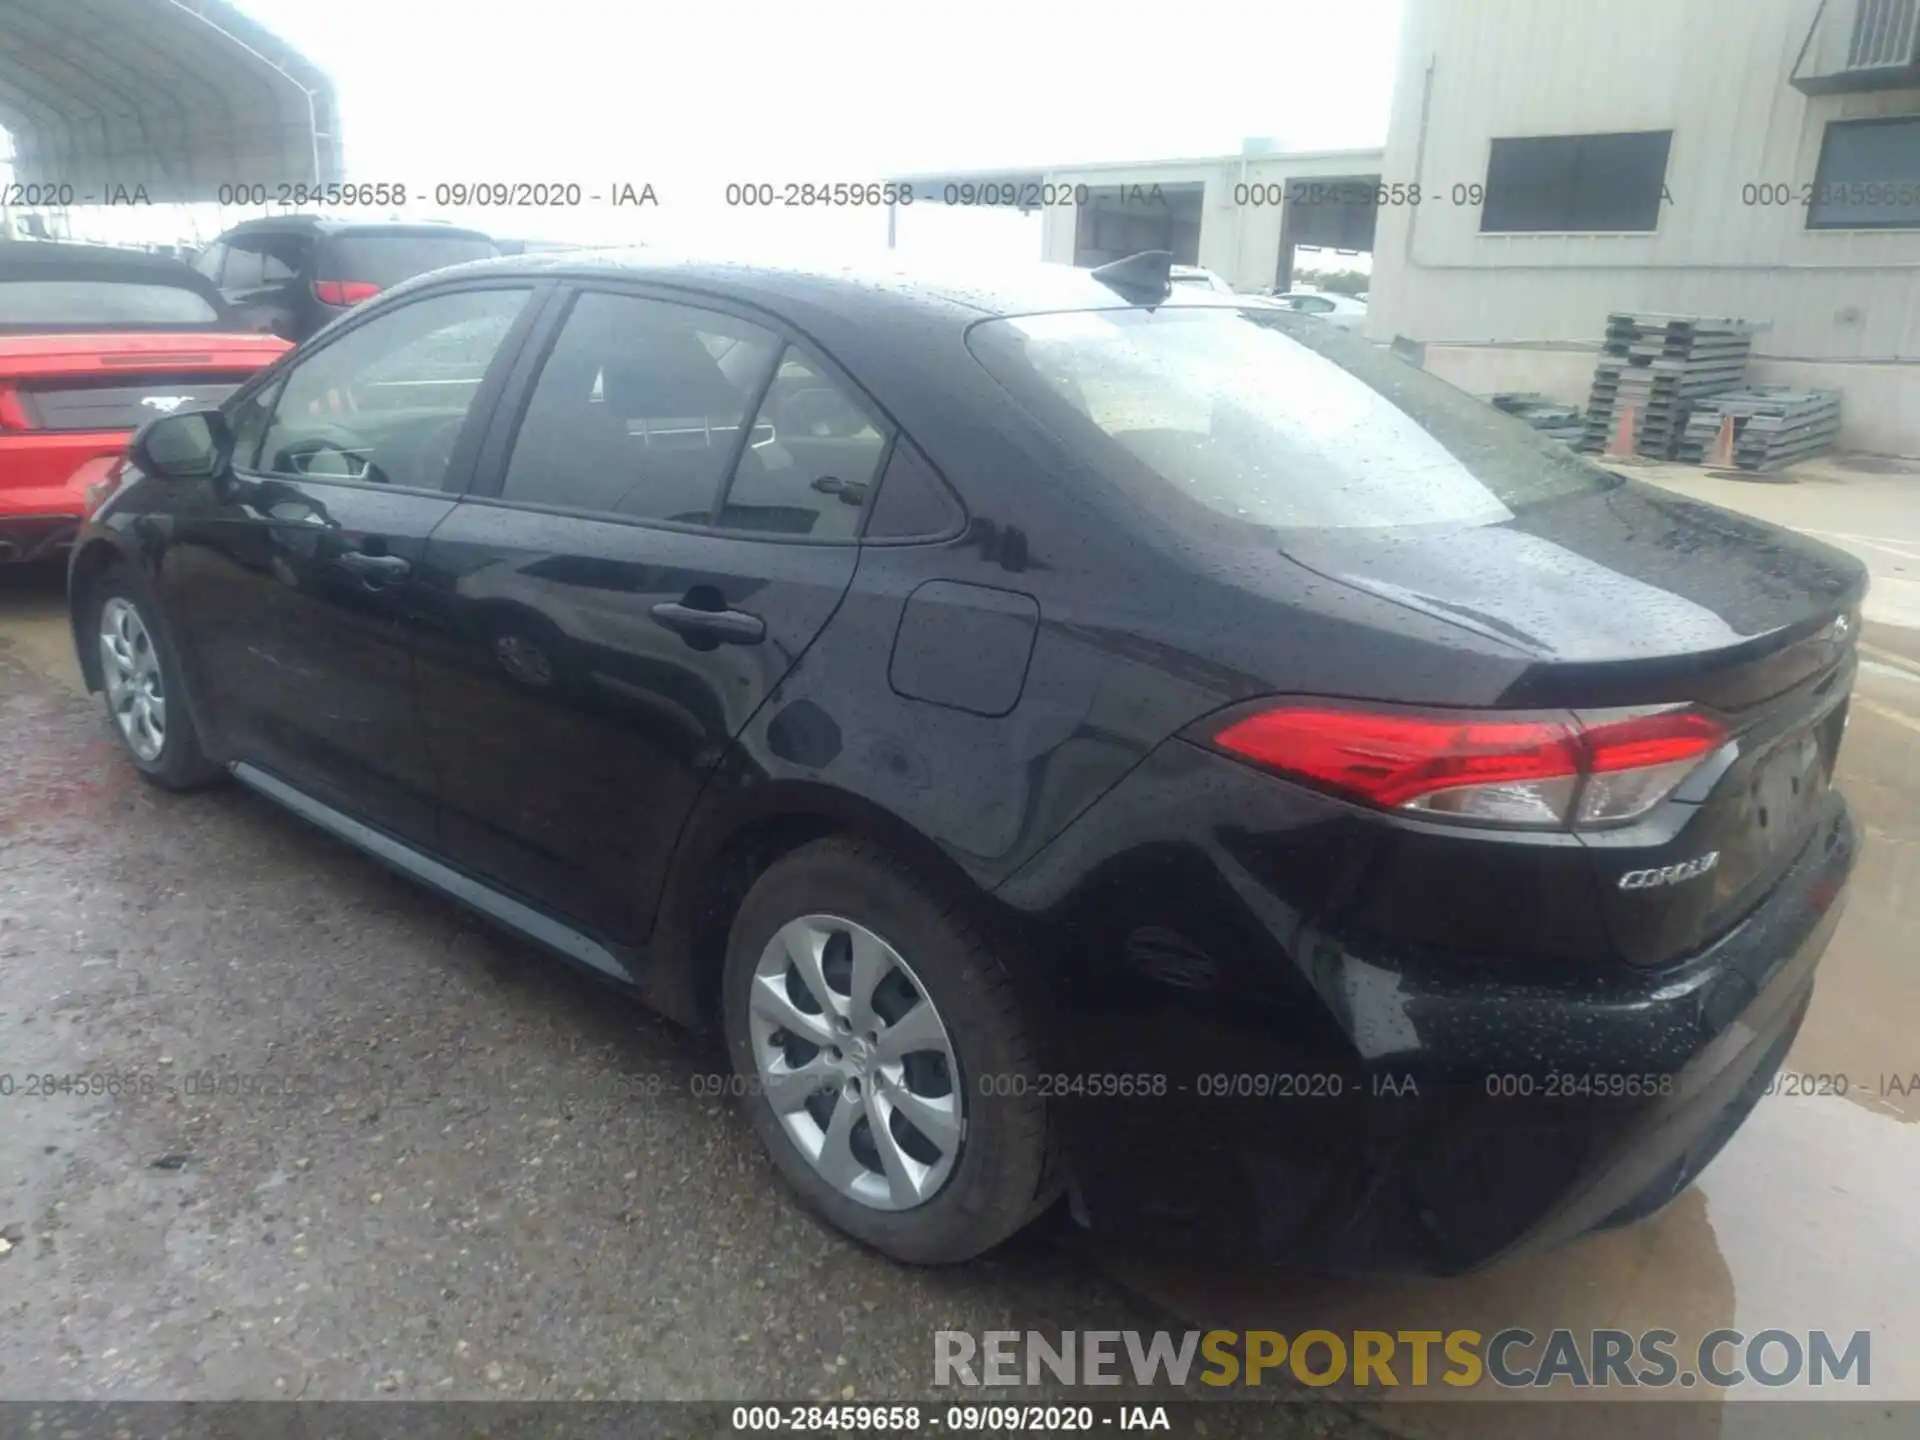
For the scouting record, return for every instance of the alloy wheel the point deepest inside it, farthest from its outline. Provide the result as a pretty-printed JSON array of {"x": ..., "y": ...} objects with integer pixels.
[
  {"x": 856, "y": 1062},
  {"x": 136, "y": 687}
]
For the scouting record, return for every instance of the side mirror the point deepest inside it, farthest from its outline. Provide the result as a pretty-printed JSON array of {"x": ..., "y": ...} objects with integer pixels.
[{"x": 191, "y": 445}]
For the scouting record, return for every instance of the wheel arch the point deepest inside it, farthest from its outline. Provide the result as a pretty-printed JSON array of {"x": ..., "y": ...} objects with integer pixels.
[
  {"x": 730, "y": 842},
  {"x": 92, "y": 560}
]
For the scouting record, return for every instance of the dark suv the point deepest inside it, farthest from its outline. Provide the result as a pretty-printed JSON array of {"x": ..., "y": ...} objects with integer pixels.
[{"x": 292, "y": 274}]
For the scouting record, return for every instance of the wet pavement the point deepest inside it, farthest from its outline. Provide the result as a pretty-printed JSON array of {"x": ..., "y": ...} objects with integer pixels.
[
  {"x": 355, "y": 1144},
  {"x": 1868, "y": 505},
  {"x": 488, "y": 1179}
]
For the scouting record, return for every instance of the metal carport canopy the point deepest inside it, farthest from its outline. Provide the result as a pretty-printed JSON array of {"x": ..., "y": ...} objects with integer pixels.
[{"x": 179, "y": 96}]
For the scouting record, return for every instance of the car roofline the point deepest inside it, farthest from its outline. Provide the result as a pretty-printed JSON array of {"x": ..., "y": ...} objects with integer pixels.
[{"x": 330, "y": 225}]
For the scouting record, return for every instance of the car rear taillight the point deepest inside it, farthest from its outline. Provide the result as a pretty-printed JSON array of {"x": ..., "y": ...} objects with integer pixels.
[
  {"x": 1633, "y": 761},
  {"x": 344, "y": 292},
  {"x": 13, "y": 411},
  {"x": 1542, "y": 771}
]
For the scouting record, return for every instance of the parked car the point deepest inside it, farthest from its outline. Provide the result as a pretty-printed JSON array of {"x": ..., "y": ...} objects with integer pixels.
[
  {"x": 1341, "y": 310},
  {"x": 291, "y": 275},
  {"x": 534, "y": 247},
  {"x": 1061, "y": 740},
  {"x": 1193, "y": 277},
  {"x": 93, "y": 341}
]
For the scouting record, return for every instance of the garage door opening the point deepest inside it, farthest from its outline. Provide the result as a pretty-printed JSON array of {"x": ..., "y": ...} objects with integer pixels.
[
  {"x": 1116, "y": 221},
  {"x": 1326, "y": 227}
]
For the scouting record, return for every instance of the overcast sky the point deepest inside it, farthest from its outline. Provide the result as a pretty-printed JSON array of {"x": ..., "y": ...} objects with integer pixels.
[
  {"x": 693, "y": 96},
  {"x": 690, "y": 97}
]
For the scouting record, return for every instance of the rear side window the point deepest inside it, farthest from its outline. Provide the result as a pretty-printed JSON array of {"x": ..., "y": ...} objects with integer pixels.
[
  {"x": 1205, "y": 417},
  {"x": 913, "y": 503},
  {"x": 640, "y": 409},
  {"x": 108, "y": 304},
  {"x": 386, "y": 260},
  {"x": 812, "y": 460}
]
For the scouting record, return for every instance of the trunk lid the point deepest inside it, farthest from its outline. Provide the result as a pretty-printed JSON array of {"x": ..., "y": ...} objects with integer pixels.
[
  {"x": 1224, "y": 436},
  {"x": 116, "y": 351},
  {"x": 1634, "y": 597},
  {"x": 81, "y": 383}
]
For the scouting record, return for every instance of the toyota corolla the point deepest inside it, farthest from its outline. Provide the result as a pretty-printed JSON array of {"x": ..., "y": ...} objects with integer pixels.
[{"x": 1067, "y": 744}]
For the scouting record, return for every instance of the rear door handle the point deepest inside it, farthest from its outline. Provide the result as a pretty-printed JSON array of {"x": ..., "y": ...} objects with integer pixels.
[
  {"x": 375, "y": 568},
  {"x": 729, "y": 627}
]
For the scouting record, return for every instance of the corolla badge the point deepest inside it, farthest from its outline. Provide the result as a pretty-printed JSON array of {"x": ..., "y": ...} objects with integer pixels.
[
  {"x": 1670, "y": 874},
  {"x": 165, "y": 404}
]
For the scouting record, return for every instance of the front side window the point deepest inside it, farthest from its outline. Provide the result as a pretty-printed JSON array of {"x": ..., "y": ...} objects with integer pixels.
[
  {"x": 1561, "y": 183},
  {"x": 248, "y": 422},
  {"x": 814, "y": 454},
  {"x": 1208, "y": 418},
  {"x": 1869, "y": 176},
  {"x": 634, "y": 415},
  {"x": 385, "y": 402}
]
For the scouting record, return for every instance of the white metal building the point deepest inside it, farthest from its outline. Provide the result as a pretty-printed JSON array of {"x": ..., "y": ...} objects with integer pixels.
[
  {"x": 1749, "y": 158},
  {"x": 1239, "y": 215}
]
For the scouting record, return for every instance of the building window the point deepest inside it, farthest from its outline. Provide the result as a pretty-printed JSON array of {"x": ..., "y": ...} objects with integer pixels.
[
  {"x": 1885, "y": 32},
  {"x": 1869, "y": 176},
  {"x": 1576, "y": 182}
]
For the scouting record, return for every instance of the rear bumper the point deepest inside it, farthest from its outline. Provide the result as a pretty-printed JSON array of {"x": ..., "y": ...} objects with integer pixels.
[
  {"x": 1369, "y": 1108},
  {"x": 43, "y": 485},
  {"x": 27, "y": 538}
]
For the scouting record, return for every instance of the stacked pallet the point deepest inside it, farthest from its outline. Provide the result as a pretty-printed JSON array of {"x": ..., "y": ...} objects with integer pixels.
[
  {"x": 1773, "y": 426},
  {"x": 1565, "y": 423},
  {"x": 1662, "y": 365}
]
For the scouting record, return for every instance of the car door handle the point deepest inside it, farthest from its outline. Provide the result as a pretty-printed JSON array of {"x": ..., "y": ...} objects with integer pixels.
[
  {"x": 730, "y": 627},
  {"x": 372, "y": 568}
]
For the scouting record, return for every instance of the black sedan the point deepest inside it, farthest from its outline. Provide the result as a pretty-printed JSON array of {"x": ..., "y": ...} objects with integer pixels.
[{"x": 1067, "y": 743}]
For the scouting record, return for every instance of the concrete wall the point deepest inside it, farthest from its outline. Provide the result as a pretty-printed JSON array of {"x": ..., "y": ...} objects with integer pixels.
[
  {"x": 1879, "y": 401},
  {"x": 1839, "y": 307}
]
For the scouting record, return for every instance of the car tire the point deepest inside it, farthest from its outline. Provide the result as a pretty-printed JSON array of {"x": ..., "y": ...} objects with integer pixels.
[
  {"x": 141, "y": 677},
  {"x": 999, "y": 1172}
]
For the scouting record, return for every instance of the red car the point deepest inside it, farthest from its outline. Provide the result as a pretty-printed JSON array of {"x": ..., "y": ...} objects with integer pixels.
[{"x": 93, "y": 342}]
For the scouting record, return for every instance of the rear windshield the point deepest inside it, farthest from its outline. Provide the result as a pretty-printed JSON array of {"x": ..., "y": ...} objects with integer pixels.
[
  {"x": 386, "y": 260},
  {"x": 1279, "y": 422},
  {"x": 100, "y": 304}
]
